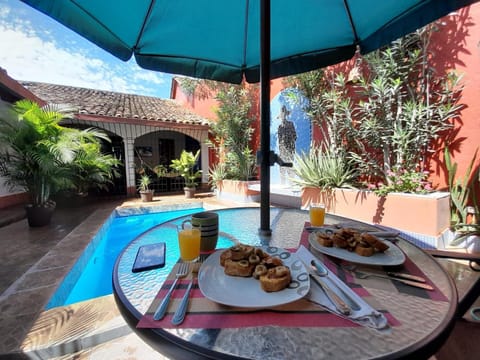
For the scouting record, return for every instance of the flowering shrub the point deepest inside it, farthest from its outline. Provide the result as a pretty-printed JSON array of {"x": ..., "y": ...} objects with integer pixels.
[{"x": 402, "y": 180}]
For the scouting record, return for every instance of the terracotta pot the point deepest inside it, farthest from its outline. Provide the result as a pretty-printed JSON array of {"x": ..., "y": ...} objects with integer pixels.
[
  {"x": 39, "y": 215},
  {"x": 146, "y": 196},
  {"x": 189, "y": 192}
]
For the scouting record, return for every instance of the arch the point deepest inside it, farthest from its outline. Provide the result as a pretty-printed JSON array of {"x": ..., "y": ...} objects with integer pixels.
[{"x": 131, "y": 132}]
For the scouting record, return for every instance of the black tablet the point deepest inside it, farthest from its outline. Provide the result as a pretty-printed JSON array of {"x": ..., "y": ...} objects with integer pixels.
[{"x": 149, "y": 257}]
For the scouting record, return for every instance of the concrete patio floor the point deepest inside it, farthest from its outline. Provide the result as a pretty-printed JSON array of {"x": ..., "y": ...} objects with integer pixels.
[{"x": 35, "y": 260}]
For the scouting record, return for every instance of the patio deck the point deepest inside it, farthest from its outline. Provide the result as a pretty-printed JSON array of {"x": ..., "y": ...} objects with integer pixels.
[{"x": 35, "y": 260}]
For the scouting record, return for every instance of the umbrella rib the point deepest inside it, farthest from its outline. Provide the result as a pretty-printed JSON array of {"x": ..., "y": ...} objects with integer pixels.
[
  {"x": 245, "y": 33},
  {"x": 347, "y": 8},
  {"x": 147, "y": 16}
]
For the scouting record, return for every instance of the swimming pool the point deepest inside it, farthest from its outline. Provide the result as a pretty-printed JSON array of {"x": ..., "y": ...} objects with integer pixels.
[{"x": 91, "y": 276}]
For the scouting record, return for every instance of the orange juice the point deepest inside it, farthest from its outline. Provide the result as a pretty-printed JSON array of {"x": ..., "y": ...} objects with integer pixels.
[
  {"x": 189, "y": 243},
  {"x": 317, "y": 214}
]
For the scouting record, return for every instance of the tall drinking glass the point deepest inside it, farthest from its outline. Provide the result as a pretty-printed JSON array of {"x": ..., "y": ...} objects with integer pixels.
[
  {"x": 188, "y": 241},
  {"x": 317, "y": 214}
]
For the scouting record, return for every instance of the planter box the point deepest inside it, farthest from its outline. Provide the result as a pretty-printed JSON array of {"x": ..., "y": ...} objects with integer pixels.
[
  {"x": 421, "y": 214},
  {"x": 237, "y": 190}
]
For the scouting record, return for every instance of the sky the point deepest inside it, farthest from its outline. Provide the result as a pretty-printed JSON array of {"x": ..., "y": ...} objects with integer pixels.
[{"x": 34, "y": 47}]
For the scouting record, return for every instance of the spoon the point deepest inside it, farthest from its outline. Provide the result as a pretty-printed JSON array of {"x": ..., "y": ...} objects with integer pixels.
[{"x": 323, "y": 272}]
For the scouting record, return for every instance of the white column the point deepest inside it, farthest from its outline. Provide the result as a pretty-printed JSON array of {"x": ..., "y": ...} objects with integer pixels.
[
  {"x": 204, "y": 161},
  {"x": 130, "y": 164}
]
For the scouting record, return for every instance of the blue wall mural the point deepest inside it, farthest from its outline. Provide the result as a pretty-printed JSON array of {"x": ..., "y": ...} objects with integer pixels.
[{"x": 290, "y": 132}]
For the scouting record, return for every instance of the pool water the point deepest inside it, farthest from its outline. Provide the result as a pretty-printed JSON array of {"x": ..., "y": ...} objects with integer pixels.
[{"x": 91, "y": 276}]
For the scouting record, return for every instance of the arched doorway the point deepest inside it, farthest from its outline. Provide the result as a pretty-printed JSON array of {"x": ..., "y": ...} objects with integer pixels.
[{"x": 159, "y": 148}]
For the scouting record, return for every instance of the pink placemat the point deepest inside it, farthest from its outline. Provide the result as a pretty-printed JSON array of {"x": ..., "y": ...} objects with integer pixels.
[{"x": 204, "y": 313}]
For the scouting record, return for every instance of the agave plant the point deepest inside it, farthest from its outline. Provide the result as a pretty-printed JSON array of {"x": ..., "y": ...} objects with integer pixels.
[
  {"x": 216, "y": 174},
  {"x": 144, "y": 183},
  {"x": 461, "y": 191},
  {"x": 462, "y": 196},
  {"x": 323, "y": 168}
]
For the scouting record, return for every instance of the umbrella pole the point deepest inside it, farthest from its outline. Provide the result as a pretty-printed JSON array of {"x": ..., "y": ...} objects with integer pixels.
[{"x": 265, "y": 118}]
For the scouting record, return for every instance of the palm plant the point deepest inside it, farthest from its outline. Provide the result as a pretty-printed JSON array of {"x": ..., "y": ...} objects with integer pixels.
[
  {"x": 30, "y": 155},
  {"x": 40, "y": 156},
  {"x": 92, "y": 169}
]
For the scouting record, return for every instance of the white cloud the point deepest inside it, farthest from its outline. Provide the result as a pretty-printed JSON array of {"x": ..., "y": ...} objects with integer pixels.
[{"x": 33, "y": 53}]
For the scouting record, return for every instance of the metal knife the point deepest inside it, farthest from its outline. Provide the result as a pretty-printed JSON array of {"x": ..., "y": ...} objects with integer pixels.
[
  {"x": 321, "y": 269},
  {"x": 406, "y": 276},
  {"x": 339, "y": 304}
]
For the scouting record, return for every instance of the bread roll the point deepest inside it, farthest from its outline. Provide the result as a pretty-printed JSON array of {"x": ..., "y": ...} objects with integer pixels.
[
  {"x": 276, "y": 279},
  {"x": 238, "y": 268},
  {"x": 373, "y": 241},
  {"x": 364, "y": 250},
  {"x": 245, "y": 261},
  {"x": 227, "y": 254},
  {"x": 324, "y": 240}
]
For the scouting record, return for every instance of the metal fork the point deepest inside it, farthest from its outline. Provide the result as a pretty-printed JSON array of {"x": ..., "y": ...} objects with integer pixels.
[
  {"x": 181, "y": 311},
  {"x": 162, "y": 308}
]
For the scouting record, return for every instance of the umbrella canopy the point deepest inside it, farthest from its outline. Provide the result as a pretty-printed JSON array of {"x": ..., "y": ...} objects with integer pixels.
[
  {"x": 229, "y": 40},
  {"x": 219, "y": 40}
]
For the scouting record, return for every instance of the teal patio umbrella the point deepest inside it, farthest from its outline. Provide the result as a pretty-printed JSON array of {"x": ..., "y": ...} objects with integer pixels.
[{"x": 232, "y": 40}]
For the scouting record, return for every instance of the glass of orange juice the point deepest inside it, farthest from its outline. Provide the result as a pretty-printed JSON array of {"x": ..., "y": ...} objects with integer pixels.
[
  {"x": 317, "y": 214},
  {"x": 188, "y": 241}
]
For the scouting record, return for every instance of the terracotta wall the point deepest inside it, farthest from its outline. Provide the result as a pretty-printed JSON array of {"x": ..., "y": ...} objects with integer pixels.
[
  {"x": 457, "y": 47},
  {"x": 202, "y": 106}
]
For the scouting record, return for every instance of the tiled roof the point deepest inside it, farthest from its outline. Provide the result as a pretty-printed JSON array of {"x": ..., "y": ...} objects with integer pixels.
[{"x": 115, "y": 105}]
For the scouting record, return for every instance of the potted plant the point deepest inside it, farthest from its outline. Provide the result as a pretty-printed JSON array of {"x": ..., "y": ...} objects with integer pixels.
[
  {"x": 146, "y": 194},
  {"x": 185, "y": 166},
  {"x": 39, "y": 155},
  {"x": 464, "y": 207}
]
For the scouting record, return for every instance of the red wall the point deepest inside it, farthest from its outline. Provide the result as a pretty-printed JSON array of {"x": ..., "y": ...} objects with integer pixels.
[
  {"x": 457, "y": 47},
  {"x": 202, "y": 106}
]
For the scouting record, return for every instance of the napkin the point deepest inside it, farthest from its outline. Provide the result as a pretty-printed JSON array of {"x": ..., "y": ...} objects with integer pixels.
[{"x": 366, "y": 316}]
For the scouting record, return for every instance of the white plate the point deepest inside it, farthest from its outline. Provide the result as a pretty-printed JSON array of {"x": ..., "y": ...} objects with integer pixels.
[
  {"x": 246, "y": 292},
  {"x": 392, "y": 256}
]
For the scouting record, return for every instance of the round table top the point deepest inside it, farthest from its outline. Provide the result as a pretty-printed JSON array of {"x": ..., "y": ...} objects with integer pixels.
[{"x": 423, "y": 322}]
